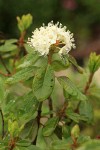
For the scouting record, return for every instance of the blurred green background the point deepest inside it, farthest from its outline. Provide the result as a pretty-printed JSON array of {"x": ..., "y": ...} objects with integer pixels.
[{"x": 82, "y": 17}]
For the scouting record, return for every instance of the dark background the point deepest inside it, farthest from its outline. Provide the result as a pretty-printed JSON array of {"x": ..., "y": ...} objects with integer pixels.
[{"x": 82, "y": 17}]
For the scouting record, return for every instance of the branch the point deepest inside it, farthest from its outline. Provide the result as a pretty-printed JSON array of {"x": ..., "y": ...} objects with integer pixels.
[
  {"x": 38, "y": 121},
  {"x": 88, "y": 83},
  {"x": 2, "y": 123},
  {"x": 21, "y": 39},
  {"x": 20, "y": 45},
  {"x": 12, "y": 144},
  {"x": 61, "y": 113},
  {"x": 39, "y": 114},
  {"x": 85, "y": 90},
  {"x": 4, "y": 65},
  {"x": 6, "y": 75},
  {"x": 15, "y": 59},
  {"x": 50, "y": 106}
]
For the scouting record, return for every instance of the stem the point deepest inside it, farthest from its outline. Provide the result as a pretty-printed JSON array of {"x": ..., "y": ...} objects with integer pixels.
[
  {"x": 50, "y": 106},
  {"x": 20, "y": 46},
  {"x": 38, "y": 121},
  {"x": 6, "y": 75},
  {"x": 12, "y": 144},
  {"x": 50, "y": 56},
  {"x": 2, "y": 123},
  {"x": 61, "y": 113},
  {"x": 21, "y": 39},
  {"x": 39, "y": 114},
  {"x": 15, "y": 59},
  {"x": 49, "y": 59},
  {"x": 4, "y": 65},
  {"x": 85, "y": 89},
  {"x": 75, "y": 144},
  {"x": 88, "y": 83}
]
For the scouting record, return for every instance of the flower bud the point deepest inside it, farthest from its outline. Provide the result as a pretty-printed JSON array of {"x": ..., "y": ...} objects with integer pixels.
[
  {"x": 75, "y": 131},
  {"x": 24, "y": 22}
]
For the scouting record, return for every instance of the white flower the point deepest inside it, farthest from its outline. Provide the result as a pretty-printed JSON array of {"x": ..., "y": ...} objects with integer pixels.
[{"x": 53, "y": 34}]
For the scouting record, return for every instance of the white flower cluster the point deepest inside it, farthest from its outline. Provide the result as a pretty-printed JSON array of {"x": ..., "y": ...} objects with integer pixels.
[{"x": 53, "y": 34}]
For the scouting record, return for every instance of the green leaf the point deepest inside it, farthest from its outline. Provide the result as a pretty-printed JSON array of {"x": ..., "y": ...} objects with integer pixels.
[
  {"x": 90, "y": 145},
  {"x": 82, "y": 139},
  {"x": 75, "y": 131},
  {"x": 31, "y": 147},
  {"x": 24, "y": 108},
  {"x": 41, "y": 140},
  {"x": 94, "y": 92},
  {"x": 2, "y": 147},
  {"x": 59, "y": 63},
  {"x": 23, "y": 74},
  {"x": 24, "y": 22},
  {"x": 28, "y": 108},
  {"x": 66, "y": 131},
  {"x": 50, "y": 139},
  {"x": 13, "y": 128},
  {"x": 74, "y": 62},
  {"x": 8, "y": 45},
  {"x": 17, "y": 89},
  {"x": 70, "y": 89},
  {"x": 50, "y": 126},
  {"x": 29, "y": 60},
  {"x": 74, "y": 116},
  {"x": 2, "y": 90},
  {"x": 86, "y": 110},
  {"x": 10, "y": 41},
  {"x": 3, "y": 143},
  {"x": 94, "y": 62},
  {"x": 28, "y": 48},
  {"x": 61, "y": 145},
  {"x": 23, "y": 143},
  {"x": 30, "y": 130},
  {"x": 43, "y": 83}
]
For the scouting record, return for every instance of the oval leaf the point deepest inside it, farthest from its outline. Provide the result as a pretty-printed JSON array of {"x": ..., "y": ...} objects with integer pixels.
[
  {"x": 43, "y": 83},
  {"x": 86, "y": 110},
  {"x": 70, "y": 88},
  {"x": 91, "y": 145},
  {"x": 73, "y": 61},
  {"x": 50, "y": 126},
  {"x": 23, "y": 74},
  {"x": 29, "y": 60}
]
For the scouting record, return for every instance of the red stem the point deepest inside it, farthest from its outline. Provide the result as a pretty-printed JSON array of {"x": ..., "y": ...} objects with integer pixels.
[{"x": 88, "y": 83}]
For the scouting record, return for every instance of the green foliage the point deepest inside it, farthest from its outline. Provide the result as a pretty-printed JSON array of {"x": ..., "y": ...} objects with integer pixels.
[
  {"x": 73, "y": 61},
  {"x": 58, "y": 145},
  {"x": 50, "y": 126},
  {"x": 91, "y": 145},
  {"x": 29, "y": 60},
  {"x": 23, "y": 74},
  {"x": 75, "y": 116},
  {"x": 86, "y": 110},
  {"x": 43, "y": 83},
  {"x": 2, "y": 90},
  {"x": 31, "y": 116},
  {"x": 75, "y": 132},
  {"x": 94, "y": 62},
  {"x": 24, "y": 22},
  {"x": 58, "y": 63},
  {"x": 8, "y": 45},
  {"x": 41, "y": 140},
  {"x": 70, "y": 89},
  {"x": 13, "y": 128}
]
